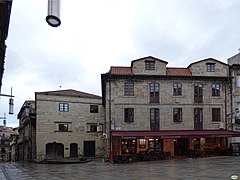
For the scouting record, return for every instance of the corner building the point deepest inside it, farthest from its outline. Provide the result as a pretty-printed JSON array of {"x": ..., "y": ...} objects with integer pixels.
[
  {"x": 69, "y": 125},
  {"x": 152, "y": 107}
]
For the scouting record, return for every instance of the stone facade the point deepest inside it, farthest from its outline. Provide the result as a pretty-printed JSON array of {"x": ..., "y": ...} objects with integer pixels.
[
  {"x": 234, "y": 117},
  {"x": 5, "y": 133},
  {"x": 69, "y": 123},
  {"x": 26, "y": 143},
  {"x": 167, "y": 101},
  {"x": 204, "y": 102}
]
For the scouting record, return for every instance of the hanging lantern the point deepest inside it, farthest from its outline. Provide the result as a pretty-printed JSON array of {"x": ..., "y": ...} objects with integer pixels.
[
  {"x": 10, "y": 106},
  {"x": 53, "y": 17}
]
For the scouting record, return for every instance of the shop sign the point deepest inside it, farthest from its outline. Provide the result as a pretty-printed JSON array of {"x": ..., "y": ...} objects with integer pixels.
[
  {"x": 148, "y": 137},
  {"x": 129, "y": 137},
  {"x": 171, "y": 137},
  {"x": 221, "y": 135}
]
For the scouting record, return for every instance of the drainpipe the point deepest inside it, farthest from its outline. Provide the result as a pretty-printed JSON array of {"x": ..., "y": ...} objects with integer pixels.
[
  {"x": 231, "y": 99},
  {"x": 110, "y": 117}
]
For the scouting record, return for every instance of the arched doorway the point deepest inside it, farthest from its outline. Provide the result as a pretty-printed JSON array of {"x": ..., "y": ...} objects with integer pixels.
[
  {"x": 73, "y": 150},
  {"x": 54, "y": 150}
]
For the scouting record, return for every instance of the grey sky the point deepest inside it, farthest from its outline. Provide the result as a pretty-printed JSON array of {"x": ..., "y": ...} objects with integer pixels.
[{"x": 97, "y": 34}]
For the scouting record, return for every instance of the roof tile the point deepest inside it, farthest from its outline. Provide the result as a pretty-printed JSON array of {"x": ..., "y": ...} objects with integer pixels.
[
  {"x": 120, "y": 70},
  {"x": 178, "y": 72}
]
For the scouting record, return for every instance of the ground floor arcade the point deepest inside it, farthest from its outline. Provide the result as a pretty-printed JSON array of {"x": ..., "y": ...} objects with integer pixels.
[{"x": 128, "y": 146}]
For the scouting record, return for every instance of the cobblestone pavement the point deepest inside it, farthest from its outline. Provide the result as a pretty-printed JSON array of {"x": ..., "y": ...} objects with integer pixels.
[{"x": 220, "y": 168}]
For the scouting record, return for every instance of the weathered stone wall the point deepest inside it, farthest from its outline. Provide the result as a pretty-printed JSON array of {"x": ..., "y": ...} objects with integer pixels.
[
  {"x": 199, "y": 69},
  {"x": 138, "y": 67},
  {"x": 141, "y": 105},
  {"x": 48, "y": 117}
]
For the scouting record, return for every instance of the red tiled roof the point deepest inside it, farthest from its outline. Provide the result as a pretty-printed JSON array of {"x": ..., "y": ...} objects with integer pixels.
[
  {"x": 169, "y": 71},
  {"x": 120, "y": 70},
  {"x": 178, "y": 72}
]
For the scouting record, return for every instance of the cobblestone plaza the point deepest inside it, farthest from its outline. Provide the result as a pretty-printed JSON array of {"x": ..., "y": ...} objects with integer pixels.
[{"x": 221, "y": 167}]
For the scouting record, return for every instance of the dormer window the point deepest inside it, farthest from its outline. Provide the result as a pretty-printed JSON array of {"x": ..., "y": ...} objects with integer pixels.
[
  {"x": 149, "y": 65},
  {"x": 210, "y": 67}
]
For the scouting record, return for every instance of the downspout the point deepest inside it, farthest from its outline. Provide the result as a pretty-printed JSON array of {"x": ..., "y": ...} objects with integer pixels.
[
  {"x": 231, "y": 98},
  {"x": 226, "y": 120},
  {"x": 110, "y": 117}
]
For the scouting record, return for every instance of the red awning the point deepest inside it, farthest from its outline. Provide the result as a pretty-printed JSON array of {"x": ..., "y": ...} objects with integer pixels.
[{"x": 174, "y": 134}]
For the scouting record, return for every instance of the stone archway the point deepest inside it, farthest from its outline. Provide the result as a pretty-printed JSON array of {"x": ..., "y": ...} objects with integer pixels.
[{"x": 54, "y": 150}]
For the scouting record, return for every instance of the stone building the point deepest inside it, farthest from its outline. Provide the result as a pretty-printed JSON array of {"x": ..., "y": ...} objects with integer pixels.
[
  {"x": 27, "y": 132},
  {"x": 150, "y": 106},
  {"x": 234, "y": 117},
  {"x": 5, "y": 133},
  {"x": 14, "y": 145},
  {"x": 69, "y": 124}
]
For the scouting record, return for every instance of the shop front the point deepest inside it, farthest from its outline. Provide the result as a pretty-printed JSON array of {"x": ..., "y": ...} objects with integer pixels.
[{"x": 130, "y": 146}]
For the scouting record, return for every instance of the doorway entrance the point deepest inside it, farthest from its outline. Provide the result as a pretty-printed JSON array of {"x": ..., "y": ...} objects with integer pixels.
[{"x": 89, "y": 148}]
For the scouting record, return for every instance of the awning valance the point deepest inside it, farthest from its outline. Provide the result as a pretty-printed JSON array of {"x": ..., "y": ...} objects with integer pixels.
[{"x": 174, "y": 134}]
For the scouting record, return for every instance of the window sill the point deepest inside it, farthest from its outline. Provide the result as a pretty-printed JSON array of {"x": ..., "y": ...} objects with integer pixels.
[
  {"x": 128, "y": 123},
  {"x": 63, "y": 131},
  {"x": 177, "y": 122},
  {"x": 94, "y": 132}
]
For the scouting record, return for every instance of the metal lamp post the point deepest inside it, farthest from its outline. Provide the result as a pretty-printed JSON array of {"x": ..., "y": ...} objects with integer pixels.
[
  {"x": 53, "y": 17},
  {"x": 10, "y": 101}
]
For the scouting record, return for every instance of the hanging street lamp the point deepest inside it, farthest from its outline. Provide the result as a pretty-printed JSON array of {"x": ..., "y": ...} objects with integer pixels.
[{"x": 53, "y": 17}]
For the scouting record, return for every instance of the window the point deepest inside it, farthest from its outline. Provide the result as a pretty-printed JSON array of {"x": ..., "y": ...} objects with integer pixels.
[
  {"x": 198, "y": 118},
  {"x": 238, "y": 80},
  {"x": 154, "y": 119},
  {"x": 210, "y": 67},
  {"x": 128, "y": 115},
  {"x": 216, "y": 90},
  {"x": 94, "y": 127},
  {"x": 177, "y": 114},
  {"x": 93, "y": 109},
  {"x": 177, "y": 89},
  {"x": 216, "y": 115},
  {"x": 198, "y": 93},
  {"x": 149, "y": 65},
  {"x": 129, "y": 88},
  {"x": 63, "y": 127},
  {"x": 142, "y": 143},
  {"x": 63, "y": 107},
  {"x": 154, "y": 93}
]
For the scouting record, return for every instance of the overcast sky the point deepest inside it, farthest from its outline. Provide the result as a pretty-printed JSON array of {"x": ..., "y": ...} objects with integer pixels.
[{"x": 97, "y": 34}]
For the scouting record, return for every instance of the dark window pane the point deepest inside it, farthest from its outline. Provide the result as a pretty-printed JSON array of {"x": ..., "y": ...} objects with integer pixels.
[
  {"x": 177, "y": 114},
  {"x": 216, "y": 115},
  {"x": 93, "y": 109},
  {"x": 198, "y": 93},
  {"x": 215, "y": 90},
  {"x": 154, "y": 119},
  {"x": 177, "y": 89},
  {"x": 129, "y": 88},
  {"x": 210, "y": 67},
  {"x": 128, "y": 115},
  {"x": 149, "y": 65},
  {"x": 63, "y": 107},
  {"x": 63, "y": 127},
  {"x": 154, "y": 92},
  {"x": 93, "y": 127}
]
